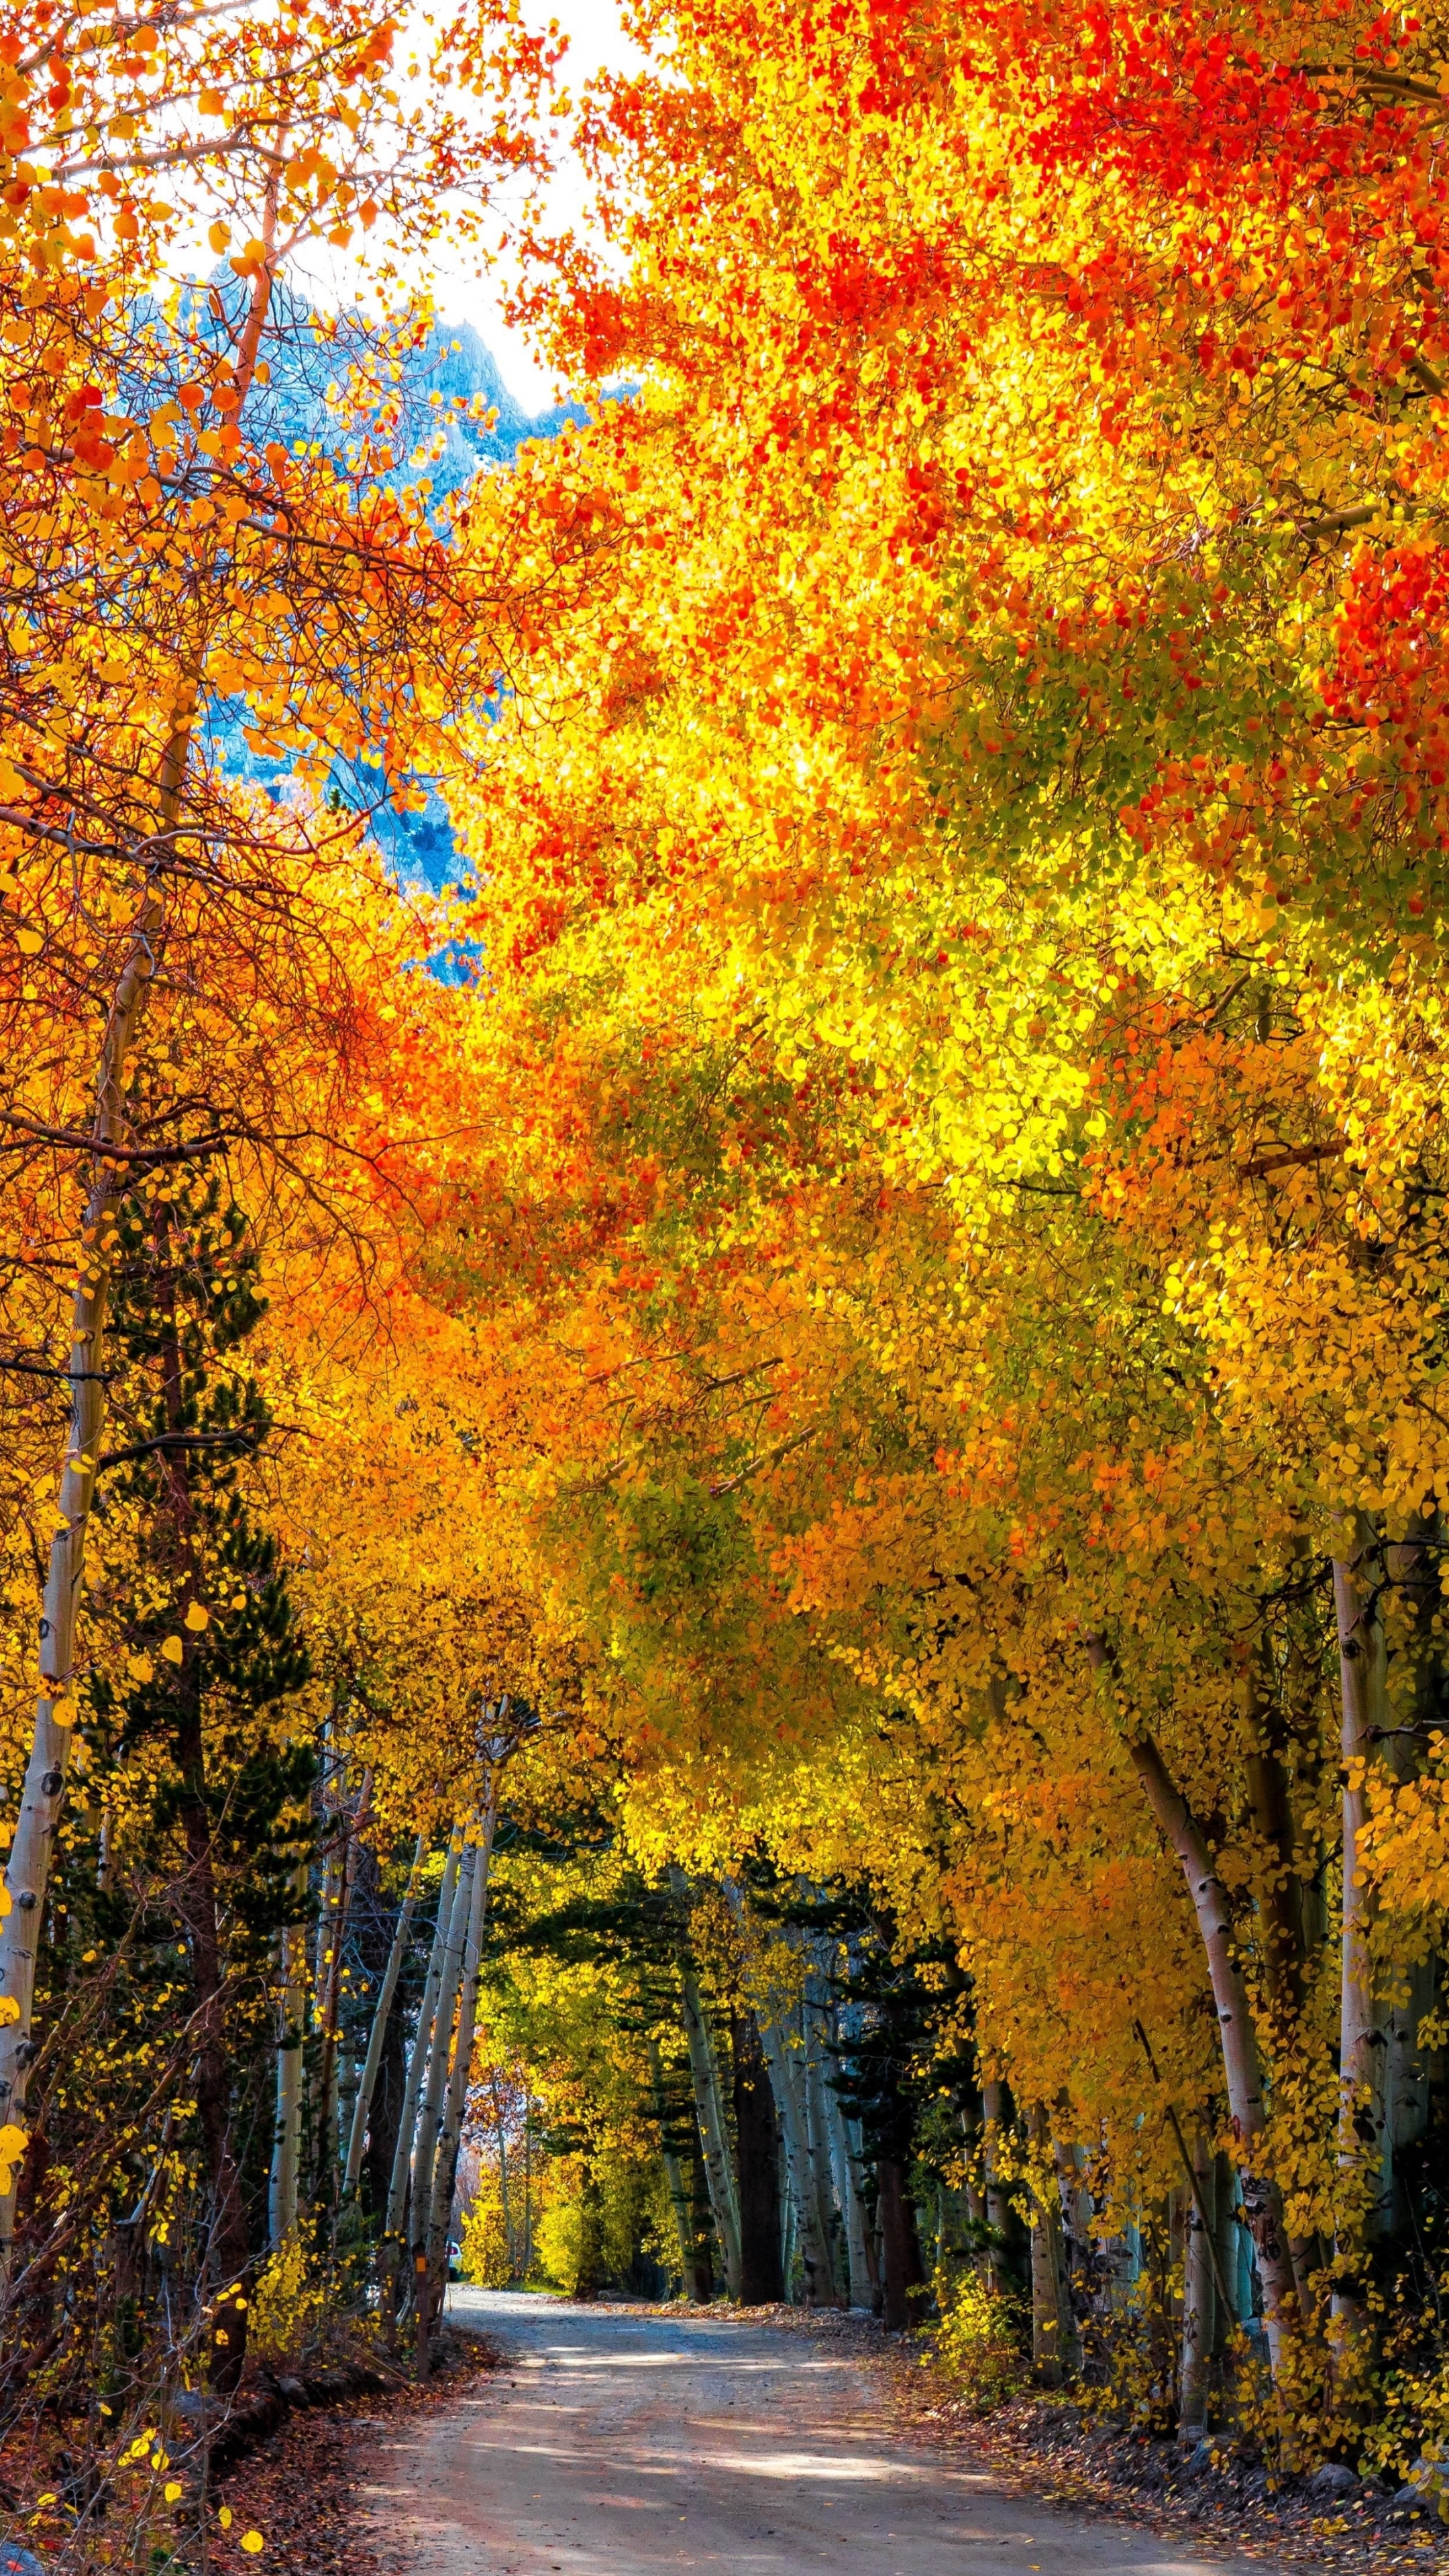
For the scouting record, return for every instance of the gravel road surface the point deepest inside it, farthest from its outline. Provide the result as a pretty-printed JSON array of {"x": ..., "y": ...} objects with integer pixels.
[{"x": 620, "y": 2444}]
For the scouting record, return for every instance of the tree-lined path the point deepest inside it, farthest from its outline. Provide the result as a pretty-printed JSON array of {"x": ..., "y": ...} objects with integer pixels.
[{"x": 615, "y": 2443}]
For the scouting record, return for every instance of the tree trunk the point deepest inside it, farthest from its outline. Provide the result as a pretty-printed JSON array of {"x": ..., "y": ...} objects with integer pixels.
[
  {"x": 817, "y": 2129},
  {"x": 435, "y": 2077},
  {"x": 693, "y": 2248},
  {"x": 27, "y": 1873},
  {"x": 1358, "y": 1581},
  {"x": 331, "y": 1940},
  {"x": 230, "y": 2249},
  {"x": 1052, "y": 2337},
  {"x": 782, "y": 2061},
  {"x": 762, "y": 2279},
  {"x": 418, "y": 2056},
  {"x": 445, "y": 2168},
  {"x": 381, "y": 2010},
  {"x": 713, "y": 2134},
  {"x": 287, "y": 2137},
  {"x": 1001, "y": 2216},
  {"x": 850, "y": 2193},
  {"x": 1199, "y": 2339},
  {"x": 903, "y": 2274},
  {"x": 1236, "y": 2036}
]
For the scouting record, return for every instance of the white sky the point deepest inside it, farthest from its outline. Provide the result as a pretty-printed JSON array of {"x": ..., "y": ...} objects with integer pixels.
[{"x": 596, "y": 42}]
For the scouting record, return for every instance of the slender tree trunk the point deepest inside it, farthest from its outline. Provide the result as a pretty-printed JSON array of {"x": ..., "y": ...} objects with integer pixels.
[
  {"x": 1236, "y": 2036},
  {"x": 713, "y": 2134},
  {"x": 503, "y": 2202},
  {"x": 287, "y": 2137},
  {"x": 230, "y": 2250},
  {"x": 1001, "y": 2217},
  {"x": 783, "y": 2062},
  {"x": 1358, "y": 1581},
  {"x": 381, "y": 2011},
  {"x": 703, "y": 2216},
  {"x": 397, "y": 2195},
  {"x": 455, "y": 2102},
  {"x": 903, "y": 2274},
  {"x": 817, "y": 2126},
  {"x": 27, "y": 1873},
  {"x": 693, "y": 2250},
  {"x": 332, "y": 1937},
  {"x": 762, "y": 2280},
  {"x": 1198, "y": 2324},
  {"x": 851, "y": 2196},
  {"x": 435, "y": 2078}
]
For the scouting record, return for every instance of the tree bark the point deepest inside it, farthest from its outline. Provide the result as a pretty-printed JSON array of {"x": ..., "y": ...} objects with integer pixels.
[
  {"x": 1001, "y": 2215},
  {"x": 713, "y": 2134},
  {"x": 1199, "y": 2339},
  {"x": 445, "y": 2169},
  {"x": 367, "y": 2081},
  {"x": 1237, "y": 2038},
  {"x": 430, "y": 2101},
  {"x": 762, "y": 2279},
  {"x": 903, "y": 2274},
  {"x": 27, "y": 1873},
  {"x": 850, "y": 2194},
  {"x": 418, "y": 2056},
  {"x": 693, "y": 2249},
  {"x": 287, "y": 2136},
  {"x": 1358, "y": 1581},
  {"x": 784, "y": 2078}
]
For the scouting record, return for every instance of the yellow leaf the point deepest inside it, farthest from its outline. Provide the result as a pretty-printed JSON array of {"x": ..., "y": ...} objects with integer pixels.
[
  {"x": 140, "y": 1668},
  {"x": 224, "y": 2517},
  {"x": 219, "y": 235},
  {"x": 172, "y": 1651},
  {"x": 196, "y": 1618},
  {"x": 171, "y": 2491},
  {"x": 29, "y": 942},
  {"x": 9, "y": 2011},
  {"x": 252, "y": 2541}
]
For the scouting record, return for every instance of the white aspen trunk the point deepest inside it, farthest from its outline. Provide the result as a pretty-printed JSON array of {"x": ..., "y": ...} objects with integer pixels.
[
  {"x": 1198, "y": 2335},
  {"x": 1363, "y": 2129},
  {"x": 1237, "y": 2037},
  {"x": 785, "y": 2080},
  {"x": 713, "y": 2133},
  {"x": 381, "y": 2015},
  {"x": 1076, "y": 2213},
  {"x": 287, "y": 2141},
  {"x": 445, "y": 2169},
  {"x": 817, "y": 2130},
  {"x": 674, "y": 2175},
  {"x": 851, "y": 2196},
  {"x": 1049, "y": 2310},
  {"x": 27, "y": 1873},
  {"x": 430, "y": 2103},
  {"x": 503, "y": 2200},
  {"x": 998, "y": 2204},
  {"x": 422, "y": 2043}
]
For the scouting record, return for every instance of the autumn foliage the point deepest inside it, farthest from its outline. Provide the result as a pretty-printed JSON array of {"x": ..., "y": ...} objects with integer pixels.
[{"x": 797, "y": 1513}]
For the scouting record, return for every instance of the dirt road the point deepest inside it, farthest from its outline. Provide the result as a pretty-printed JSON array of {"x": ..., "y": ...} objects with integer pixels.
[{"x": 616, "y": 2444}]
